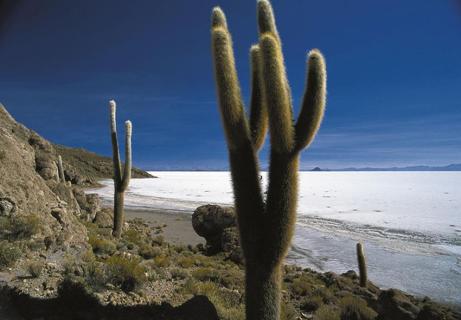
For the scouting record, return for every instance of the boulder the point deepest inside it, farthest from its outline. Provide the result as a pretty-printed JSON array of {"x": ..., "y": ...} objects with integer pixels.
[
  {"x": 104, "y": 218},
  {"x": 210, "y": 221},
  {"x": 89, "y": 203},
  {"x": 7, "y": 207}
]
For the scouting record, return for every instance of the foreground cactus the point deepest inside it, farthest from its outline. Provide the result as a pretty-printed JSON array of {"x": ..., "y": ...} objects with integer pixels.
[
  {"x": 362, "y": 265},
  {"x": 121, "y": 178},
  {"x": 266, "y": 226}
]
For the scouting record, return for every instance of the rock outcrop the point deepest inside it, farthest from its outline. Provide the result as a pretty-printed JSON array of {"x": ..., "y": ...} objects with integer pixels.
[
  {"x": 218, "y": 225},
  {"x": 28, "y": 184}
]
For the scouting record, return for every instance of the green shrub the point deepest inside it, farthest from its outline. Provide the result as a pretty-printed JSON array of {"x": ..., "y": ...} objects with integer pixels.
[
  {"x": 178, "y": 273},
  {"x": 327, "y": 312},
  {"x": 288, "y": 311},
  {"x": 35, "y": 268},
  {"x": 133, "y": 236},
  {"x": 353, "y": 307},
  {"x": 125, "y": 272},
  {"x": 102, "y": 246},
  {"x": 2, "y": 154},
  {"x": 148, "y": 252},
  {"x": 228, "y": 303},
  {"x": 207, "y": 274},
  {"x": 9, "y": 254},
  {"x": 20, "y": 227},
  {"x": 158, "y": 240},
  {"x": 162, "y": 261},
  {"x": 186, "y": 262},
  {"x": 310, "y": 304},
  {"x": 305, "y": 284}
]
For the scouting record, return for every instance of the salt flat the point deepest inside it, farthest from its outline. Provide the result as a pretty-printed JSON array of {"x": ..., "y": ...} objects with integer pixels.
[{"x": 410, "y": 222}]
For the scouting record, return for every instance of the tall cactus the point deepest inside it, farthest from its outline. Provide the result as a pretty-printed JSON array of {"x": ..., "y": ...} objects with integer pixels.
[
  {"x": 362, "y": 265},
  {"x": 62, "y": 177},
  {"x": 266, "y": 226},
  {"x": 121, "y": 178}
]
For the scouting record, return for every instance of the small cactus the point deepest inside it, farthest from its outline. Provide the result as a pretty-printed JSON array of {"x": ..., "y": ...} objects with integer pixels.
[
  {"x": 362, "y": 265},
  {"x": 266, "y": 225},
  {"x": 121, "y": 178},
  {"x": 62, "y": 177},
  {"x": 57, "y": 171}
]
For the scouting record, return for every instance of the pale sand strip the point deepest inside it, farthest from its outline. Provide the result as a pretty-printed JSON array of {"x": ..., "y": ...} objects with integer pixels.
[{"x": 178, "y": 228}]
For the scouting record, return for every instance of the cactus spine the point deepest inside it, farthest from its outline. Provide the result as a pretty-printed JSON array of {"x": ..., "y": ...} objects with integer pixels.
[
  {"x": 362, "y": 265},
  {"x": 121, "y": 178},
  {"x": 62, "y": 177},
  {"x": 266, "y": 226}
]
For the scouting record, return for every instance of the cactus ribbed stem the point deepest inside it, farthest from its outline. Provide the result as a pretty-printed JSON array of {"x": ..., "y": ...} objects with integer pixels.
[
  {"x": 362, "y": 265},
  {"x": 121, "y": 179},
  {"x": 61, "y": 170},
  {"x": 266, "y": 226}
]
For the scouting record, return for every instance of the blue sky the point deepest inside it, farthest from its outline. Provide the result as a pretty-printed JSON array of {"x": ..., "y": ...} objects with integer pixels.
[{"x": 394, "y": 76}]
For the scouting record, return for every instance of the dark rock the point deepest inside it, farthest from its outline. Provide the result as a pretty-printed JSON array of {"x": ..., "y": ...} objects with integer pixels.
[
  {"x": 230, "y": 239},
  {"x": 230, "y": 243},
  {"x": 209, "y": 221},
  {"x": 393, "y": 304},
  {"x": 351, "y": 274},
  {"x": 431, "y": 311}
]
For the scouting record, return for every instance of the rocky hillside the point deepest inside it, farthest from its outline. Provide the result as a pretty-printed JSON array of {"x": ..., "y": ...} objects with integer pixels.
[
  {"x": 81, "y": 167},
  {"x": 83, "y": 163},
  {"x": 28, "y": 186}
]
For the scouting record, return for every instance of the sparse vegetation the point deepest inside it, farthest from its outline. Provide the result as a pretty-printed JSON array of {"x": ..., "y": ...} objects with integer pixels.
[
  {"x": 162, "y": 260},
  {"x": 327, "y": 312},
  {"x": 102, "y": 246},
  {"x": 228, "y": 303},
  {"x": 19, "y": 227},
  {"x": 353, "y": 307},
  {"x": 126, "y": 272},
  {"x": 35, "y": 268},
  {"x": 9, "y": 253}
]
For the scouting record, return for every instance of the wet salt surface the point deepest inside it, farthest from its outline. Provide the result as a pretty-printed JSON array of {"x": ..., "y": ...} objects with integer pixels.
[{"x": 409, "y": 222}]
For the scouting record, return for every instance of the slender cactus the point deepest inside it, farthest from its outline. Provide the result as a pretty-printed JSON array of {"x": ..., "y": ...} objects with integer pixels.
[
  {"x": 121, "y": 179},
  {"x": 61, "y": 170},
  {"x": 266, "y": 226},
  {"x": 57, "y": 171},
  {"x": 362, "y": 265}
]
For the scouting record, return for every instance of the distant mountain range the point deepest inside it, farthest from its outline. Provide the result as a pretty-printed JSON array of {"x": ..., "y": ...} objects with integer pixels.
[{"x": 451, "y": 167}]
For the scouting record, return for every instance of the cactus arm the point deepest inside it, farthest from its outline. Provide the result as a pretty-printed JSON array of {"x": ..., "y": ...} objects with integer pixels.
[
  {"x": 258, "y": 108},
  {"x": 228, "y": 88},
  {"x": 266, "y": 20},
  {"x": 313, "y": 106},
  {"x": 128, "y": 160},
  {"x": 243, "y": 161},
  {"x": 218, "y": 19},
  {"x": 278, "y": 101},
  {"x": 115, "y": 146},
  {"x": 267, "y": 25}
]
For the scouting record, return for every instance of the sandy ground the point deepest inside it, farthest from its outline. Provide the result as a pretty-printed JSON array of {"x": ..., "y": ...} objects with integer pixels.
[{"x": 178, "y": 228}]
